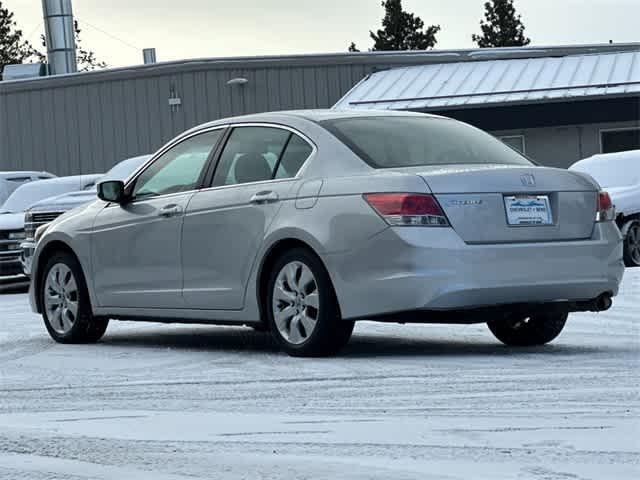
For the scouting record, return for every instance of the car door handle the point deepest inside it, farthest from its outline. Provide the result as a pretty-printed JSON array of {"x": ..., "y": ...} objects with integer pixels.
[
  {"x": 170, "y": 211},
  {"x": 264, "y": 197}
]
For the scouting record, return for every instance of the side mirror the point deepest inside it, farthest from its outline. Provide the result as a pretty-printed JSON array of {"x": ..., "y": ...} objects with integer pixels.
[{"x": 112, "y": 191}]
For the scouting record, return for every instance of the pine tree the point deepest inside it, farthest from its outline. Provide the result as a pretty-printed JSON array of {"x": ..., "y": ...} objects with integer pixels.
[
  {"x": 401, "y": 30},
  {"x": 13, "y": 48},
  {"x": 501, "y": 27}
]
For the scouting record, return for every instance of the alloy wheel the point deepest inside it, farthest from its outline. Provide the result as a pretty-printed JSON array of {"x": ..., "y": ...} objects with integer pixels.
[
  {"x": 296, "y": 302},
  {"x": 61, "y": 298}
]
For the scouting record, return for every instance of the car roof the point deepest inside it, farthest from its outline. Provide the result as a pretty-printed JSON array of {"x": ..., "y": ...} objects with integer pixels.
[{"x": 317, "y": 115}]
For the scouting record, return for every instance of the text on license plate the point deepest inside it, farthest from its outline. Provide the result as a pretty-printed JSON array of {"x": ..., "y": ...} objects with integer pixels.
[{"x": 528, "y": 210}]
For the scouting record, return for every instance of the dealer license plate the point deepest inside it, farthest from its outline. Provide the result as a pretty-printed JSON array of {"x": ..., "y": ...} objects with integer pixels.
[{"x": 523, "y": 210}]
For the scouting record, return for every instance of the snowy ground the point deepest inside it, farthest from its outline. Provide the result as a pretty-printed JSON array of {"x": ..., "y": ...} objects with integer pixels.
[{"x": 402, "y": 402}]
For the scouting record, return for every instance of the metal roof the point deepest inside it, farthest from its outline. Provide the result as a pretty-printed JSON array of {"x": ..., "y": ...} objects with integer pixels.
[{"x": 490, "y": 82}]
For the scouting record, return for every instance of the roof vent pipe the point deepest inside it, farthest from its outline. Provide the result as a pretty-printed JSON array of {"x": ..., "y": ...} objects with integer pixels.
[
  {"x": 59, "y": 29},
  {"x": 149, "y": 55}
]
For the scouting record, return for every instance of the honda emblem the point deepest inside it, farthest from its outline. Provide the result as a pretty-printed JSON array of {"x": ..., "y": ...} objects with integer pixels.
[{"x": 528, "y": 180}]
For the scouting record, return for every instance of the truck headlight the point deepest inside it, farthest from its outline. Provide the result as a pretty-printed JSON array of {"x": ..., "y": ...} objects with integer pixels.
[{"x": 17, "y": 235}]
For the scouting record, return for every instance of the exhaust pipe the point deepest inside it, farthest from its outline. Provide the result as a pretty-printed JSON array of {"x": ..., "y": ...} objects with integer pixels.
[{"x": 603, "y": 302}]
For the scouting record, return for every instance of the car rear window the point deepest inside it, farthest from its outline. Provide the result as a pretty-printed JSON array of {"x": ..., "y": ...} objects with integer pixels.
[{"x": 391, "y": 142}]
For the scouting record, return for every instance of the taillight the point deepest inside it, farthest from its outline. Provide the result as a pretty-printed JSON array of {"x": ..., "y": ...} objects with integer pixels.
[
  {"x": 606, "y": 211},
  {"x": 408, "y": 209}
]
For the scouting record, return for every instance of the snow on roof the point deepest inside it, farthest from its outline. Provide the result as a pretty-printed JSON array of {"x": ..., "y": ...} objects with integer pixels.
[{"x": 482, "y": 82}]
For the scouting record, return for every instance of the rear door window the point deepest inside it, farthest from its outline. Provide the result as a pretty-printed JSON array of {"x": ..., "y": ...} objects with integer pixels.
[{"x": 251, "y": 155}]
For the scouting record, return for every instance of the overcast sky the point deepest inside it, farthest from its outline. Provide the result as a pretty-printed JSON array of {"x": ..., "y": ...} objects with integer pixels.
[{"x": 213, "y": 28}]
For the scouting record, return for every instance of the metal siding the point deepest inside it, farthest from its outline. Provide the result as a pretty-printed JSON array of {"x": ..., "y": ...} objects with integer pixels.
[
  {"x": 23, "y": 140},
  {"x": 275, "y": 89},
  {"x": 129, "y": 119},
  {"x": 38, "y": 161},
  {"x": 178, "y": 113},
  {"x": 153, "y": 124},
  {"x": 21, "y": 132},
  {"x": 309, "y": 92},
  {"x": 321, "y": 88},
  {"x": 72, "y": 131},
  {"x": 48, "y": 132},
  {"x": 107, "y": 124},
  {"x": 84, "y": 129},
  {"x": 94, "y": 96},
  {"x": 7, "y": 128},
  {"x": 195, "y": 99},
  {"x": 296, "y": 76},
  {"x": 4, "y": 137},
  {"x": 166, "y": 115}
]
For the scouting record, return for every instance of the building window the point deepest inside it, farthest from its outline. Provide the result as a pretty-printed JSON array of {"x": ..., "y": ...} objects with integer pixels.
[
  {"x": 514, "y": 141},
  {"x": 621, "y": 140}
]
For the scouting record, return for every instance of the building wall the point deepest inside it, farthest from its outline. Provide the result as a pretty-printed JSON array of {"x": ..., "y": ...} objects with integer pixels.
[
  {"x": 90, "y": 126},
  {"x": 561, "y": 146}
]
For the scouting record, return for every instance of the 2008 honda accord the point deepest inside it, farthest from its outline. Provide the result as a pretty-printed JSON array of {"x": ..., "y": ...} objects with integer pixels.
[{"x": 305, "y": 222}]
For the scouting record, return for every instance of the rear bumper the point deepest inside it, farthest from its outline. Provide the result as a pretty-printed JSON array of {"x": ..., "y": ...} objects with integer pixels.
[{"x": 415, "y": 269}]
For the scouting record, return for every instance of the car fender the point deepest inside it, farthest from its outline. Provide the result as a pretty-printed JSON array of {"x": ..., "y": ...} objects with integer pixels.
[{"x": 71, "y": 230}]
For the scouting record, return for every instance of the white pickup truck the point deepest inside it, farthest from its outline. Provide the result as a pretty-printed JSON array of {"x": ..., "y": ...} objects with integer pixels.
[{"x": 619, "y": 174}]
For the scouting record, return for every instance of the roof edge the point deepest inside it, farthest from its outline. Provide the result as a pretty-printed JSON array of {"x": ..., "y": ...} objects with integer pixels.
[{"x": 392, "y": 58}]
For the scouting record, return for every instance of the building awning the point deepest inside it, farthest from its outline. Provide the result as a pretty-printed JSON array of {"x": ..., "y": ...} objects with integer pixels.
[{"x": 497, "y": 82}]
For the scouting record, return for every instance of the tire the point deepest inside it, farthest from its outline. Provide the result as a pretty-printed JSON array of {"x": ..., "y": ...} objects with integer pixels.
[
  {"x": 522, "y": 331},
  {"x": 632, "y": 244},
  {"x": 302, "y": 308},
  {"x": 66, "y": 307}
]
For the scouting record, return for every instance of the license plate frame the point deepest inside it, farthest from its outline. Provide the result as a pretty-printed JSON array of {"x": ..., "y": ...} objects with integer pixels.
[{"x": 528, "y": 210}]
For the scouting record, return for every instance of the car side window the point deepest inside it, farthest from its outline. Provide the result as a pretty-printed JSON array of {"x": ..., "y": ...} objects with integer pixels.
[
  {"x": 179, "y": 169},
  {"x": 250, "y": 155},
  {"x": 294, "y": 156}
]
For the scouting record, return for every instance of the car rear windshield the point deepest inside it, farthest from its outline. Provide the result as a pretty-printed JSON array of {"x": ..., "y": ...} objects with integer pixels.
[{"x": 391, "y": 142}]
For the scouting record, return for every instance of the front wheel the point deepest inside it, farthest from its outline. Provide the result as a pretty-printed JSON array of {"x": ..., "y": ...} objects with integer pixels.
[
  {"x": 66, "y": 308},
  {"x": 527, "y": 331},
  {"x": 302, "y": 308}
]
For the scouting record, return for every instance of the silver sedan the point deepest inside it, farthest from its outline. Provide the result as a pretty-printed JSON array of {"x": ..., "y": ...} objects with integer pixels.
[{"x": 305, "y": 222}]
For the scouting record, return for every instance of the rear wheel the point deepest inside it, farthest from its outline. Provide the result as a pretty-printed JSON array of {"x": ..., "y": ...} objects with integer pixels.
[
  {"x": 632, "y": 245},
  {"x": 66, "y": 308},
  {"x": 523, "y": 331},
  {"x": 302, "y": 308}
]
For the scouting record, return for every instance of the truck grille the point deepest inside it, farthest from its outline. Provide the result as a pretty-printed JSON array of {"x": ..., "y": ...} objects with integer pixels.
[
  {"x": 9, "y": 248},
  {"x": 37, "y": 220}
]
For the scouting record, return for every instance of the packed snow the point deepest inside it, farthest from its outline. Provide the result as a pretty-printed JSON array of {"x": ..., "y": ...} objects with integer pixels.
[{"x": 422, "y": 402}]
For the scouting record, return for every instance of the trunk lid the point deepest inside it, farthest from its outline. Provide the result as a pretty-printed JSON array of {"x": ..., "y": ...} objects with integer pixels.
[{"x": 473, "y": 198}]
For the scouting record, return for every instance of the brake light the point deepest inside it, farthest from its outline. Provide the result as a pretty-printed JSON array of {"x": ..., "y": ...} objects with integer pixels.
[
  {"x": 606, "y": 211},
  {"x": 408, "y": 209}
]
